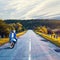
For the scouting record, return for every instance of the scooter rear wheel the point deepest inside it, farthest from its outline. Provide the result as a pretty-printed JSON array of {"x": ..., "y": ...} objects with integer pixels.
[{"x": 12, "y": 45}]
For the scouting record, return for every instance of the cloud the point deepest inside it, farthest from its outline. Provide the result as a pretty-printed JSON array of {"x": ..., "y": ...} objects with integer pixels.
[{"x": 29, "y": 9}]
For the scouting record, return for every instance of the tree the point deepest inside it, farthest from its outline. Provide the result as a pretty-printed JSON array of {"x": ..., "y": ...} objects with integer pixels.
[
  {"x": 2, "y": 28},
  {"x": 42, "y": 29},
  {"x": 18, "y": 27}
]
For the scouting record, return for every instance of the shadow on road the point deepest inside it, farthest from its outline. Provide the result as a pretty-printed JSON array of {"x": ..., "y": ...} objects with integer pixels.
[
  {"x": 44, "y": 40},
  {"x": 5, "y": 48},
  {"x": 57, "y": 50}
]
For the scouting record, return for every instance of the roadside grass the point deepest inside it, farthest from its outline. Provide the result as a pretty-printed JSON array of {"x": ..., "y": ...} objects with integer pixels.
[
  {"x": 6, "y": 40},
  {"x": 3, "y": 41},
  {"x": 55, "y": 41},
  {"x": 20, "y": 34}
]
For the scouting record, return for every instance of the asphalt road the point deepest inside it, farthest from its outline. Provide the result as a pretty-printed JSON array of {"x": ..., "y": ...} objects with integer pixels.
[{"x": 30, "y": 46}]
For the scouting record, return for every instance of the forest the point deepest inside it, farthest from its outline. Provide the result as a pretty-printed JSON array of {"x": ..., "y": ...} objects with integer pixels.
[{"x": 20, "y": 25}]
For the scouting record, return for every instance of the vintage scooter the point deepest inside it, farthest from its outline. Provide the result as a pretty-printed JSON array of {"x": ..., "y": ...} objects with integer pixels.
[{"x": 13, "y": 42}]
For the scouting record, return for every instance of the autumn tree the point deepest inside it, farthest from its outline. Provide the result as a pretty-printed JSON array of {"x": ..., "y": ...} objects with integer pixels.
[
  {"x": 42, "y": 29},
  {"x": 18, "y": 27}
]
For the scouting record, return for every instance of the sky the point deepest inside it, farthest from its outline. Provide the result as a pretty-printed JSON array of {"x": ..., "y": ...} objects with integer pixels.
[{"x": 29, "y": 9}]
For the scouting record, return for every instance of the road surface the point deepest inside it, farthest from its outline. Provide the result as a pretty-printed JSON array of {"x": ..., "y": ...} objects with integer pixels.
[{"x": 30, "y": 46}]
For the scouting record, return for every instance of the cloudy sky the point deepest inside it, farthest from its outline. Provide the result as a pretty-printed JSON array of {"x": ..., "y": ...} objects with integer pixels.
[{"x": 30, "y": 9}]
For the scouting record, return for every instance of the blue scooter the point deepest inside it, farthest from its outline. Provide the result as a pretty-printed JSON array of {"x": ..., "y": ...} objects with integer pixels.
[{"x": 13, "y": 42}]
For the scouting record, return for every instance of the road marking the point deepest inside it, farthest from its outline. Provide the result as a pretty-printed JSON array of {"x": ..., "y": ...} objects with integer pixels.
[{"x": 30, "y": 49}]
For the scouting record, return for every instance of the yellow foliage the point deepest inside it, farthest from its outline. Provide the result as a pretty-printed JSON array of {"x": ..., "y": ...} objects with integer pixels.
[
  {"x": 53, "y": 39},
  {"x": 42, "y": 29},
  {"x": 3, "y": 41}
]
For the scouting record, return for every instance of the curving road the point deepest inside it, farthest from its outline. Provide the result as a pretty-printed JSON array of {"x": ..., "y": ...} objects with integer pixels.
[{"x": 30, "y": 46}]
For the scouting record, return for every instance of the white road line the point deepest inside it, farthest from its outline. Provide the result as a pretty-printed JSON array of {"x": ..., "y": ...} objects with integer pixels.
[{"x": 29, "y": 49}]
